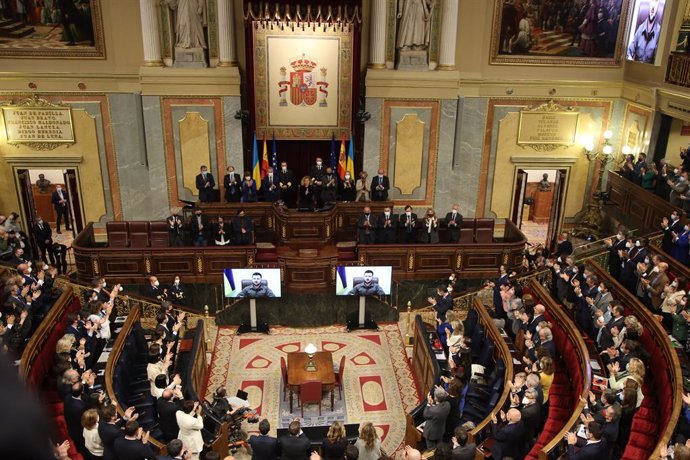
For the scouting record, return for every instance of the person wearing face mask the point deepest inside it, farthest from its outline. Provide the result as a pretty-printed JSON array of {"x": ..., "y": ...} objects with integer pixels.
[
  {"x": 200, "y": 228},
  {"x": 379, "y": 186},
  {"x": 243, "y": 228},
  {"x": 454, "y": 224},
  {"x": 285, "y": 181},
  {"x": 366, "y": 227},
  {"x": 669, "y": 226},
  {"x": 178, "y": 292},
  {"x": 386, "y": 226},
  {"x": 347, "y": 188},
  {"x": 232, "y": 183},
  {"x": 305, "y": 195},
  {"x": 270, "y": 186},
  {"x": 222, "y": 234},
  {"x": 176, "y": 228},
  {"x": 154, "y": 290},
  {"x": 329, "y": 192},
  {"x": 60, "y": 200},
  {"x": 362, "y": 187},
  {"x": 531, "y": 416},
  {"x": 429, "y": 233},
  {"x": 249, "y": 194},
  {"x": 407, "y": 223},
  {"x": 681, "y": 244},
  {"x": 205, "y": 184},
  {"x": 318, "y": 172},
  {"x": 615, "y": 245},
  {"x": 678, "y": 187},
  {"x": 44, "y": 239}
]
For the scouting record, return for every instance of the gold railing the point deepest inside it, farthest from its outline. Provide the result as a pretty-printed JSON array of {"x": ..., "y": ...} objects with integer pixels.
[{"x": 678, "y": 72}]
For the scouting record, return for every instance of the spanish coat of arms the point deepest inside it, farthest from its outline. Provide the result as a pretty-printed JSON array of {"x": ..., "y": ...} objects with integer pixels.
[{"x": 305, "y": 88}]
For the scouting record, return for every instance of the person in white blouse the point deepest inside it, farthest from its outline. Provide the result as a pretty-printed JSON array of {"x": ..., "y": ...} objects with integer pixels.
[
  {"x": 92, "y": 441},
  {"x": 191, "y": 423}
]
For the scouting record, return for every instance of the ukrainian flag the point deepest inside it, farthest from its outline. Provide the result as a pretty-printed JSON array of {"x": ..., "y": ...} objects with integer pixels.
[
  {"x": 256, "y": 166},
  {"x": 340, "y": 280},
  {"x": 351, "y": 158}
]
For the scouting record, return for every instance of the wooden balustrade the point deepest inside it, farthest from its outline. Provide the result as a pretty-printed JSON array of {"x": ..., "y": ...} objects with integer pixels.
[
  {"x": 638, "y": 203},
  {"x": 563, "y": 321}
]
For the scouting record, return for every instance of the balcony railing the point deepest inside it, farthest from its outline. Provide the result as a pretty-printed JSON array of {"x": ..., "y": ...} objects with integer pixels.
[{"x": 678, "y": 72}]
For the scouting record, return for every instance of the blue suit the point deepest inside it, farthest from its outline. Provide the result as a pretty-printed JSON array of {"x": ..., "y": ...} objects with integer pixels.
[
  {"x": 263, "y": 447},
  {"x": 508, "y": 441},
  {"x": 592, "y": 451}
]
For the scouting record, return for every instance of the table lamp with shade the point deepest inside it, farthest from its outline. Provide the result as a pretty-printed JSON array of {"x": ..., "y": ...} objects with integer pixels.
[{"x": 310, "y": 350}]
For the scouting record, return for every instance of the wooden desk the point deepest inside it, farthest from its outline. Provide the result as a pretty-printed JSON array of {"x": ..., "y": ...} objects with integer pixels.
[{"x": 297, "y": 373}]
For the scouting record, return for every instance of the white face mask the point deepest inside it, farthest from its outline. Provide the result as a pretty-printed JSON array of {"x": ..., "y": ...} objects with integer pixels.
[
  {"x": 104, "y": 284},
  {"x": 637, "y": 244},
  {"x": 655, "y": 269},
  {"x": 284, "y": 168},
  {"x": 347, "y": 176},
  {"x": 409, "y": 213},
  {"x": 450, "y": 289},
  {"x": 388, "y": 214},
  {"x": 177, "y": 281},
  {"x": 675, "y": 171},
  {"x": 620, "y": 237},
  {"x": 29, "y": 270},
  {"x": 318, "y": 163},
  {"x": 525, "y": 400},
  {"x": 628, "y": 245},
  {"x": 156, "y": 283}
]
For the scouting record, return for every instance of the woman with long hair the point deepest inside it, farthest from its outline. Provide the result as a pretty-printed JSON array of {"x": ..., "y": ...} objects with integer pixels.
[
  {"x": 334, "y": 444},
  {"x": 368, "y": 444},
  {"x": 634, "y": 370},
  {"x": 305, "y": 193}
]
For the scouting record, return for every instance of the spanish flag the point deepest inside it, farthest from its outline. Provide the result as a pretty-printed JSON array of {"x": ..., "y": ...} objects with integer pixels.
[
  {"x": 264, "y": 161},
  {"x": 342, "y": 160},
  {"x": 256, "y": 171}
]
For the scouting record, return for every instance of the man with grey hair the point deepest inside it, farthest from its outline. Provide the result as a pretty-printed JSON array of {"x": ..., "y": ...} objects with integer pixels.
[
  {"x": 533, "y": 381},
  {"x": 435, "y": 415},
  {"x": 531, "y": 415}
]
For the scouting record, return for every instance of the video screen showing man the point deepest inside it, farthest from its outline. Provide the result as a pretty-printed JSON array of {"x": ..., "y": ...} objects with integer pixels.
[
  {"x": 257, "y": 289},
  {"x": 368, "y": 287}
]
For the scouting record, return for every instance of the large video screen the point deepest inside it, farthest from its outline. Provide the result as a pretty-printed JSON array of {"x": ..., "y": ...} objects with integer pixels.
[
  {"x": 363, "y": 281},
  {"x": 251, "y": 283}
]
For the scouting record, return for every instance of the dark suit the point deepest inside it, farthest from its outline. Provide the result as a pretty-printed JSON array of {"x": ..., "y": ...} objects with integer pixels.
[
  {"x": 176, "y": 230},
  {"x": 133, "y": 449},
  {"x": 386, "y": 228},
  {"x": 454, "y": 224},
  {"x": 317, "y": 179},
  {"x": 268, "y": 182},
  {"x": 465, "y": 452},
  {"x": 108, "y": 433},
  {"x": 166, "y": 418},
  {"x": 287, "y": 192},
  {"x": 435, "y": 425},
  {"x": 44, "y": 239},
  {"x": 222, "y": 231},
  {"x": 74, "y": 408},
  {"x": 408, "y": 230},
  {"x": 379, "y": 195},
  {"x": 531, "y": 416},
  {"x": 200, "y": 236},
  {"x": 205, "y": 187},
  {"x": 155, "y": 292},
  {"x": 593, "y": 451},
  {"x": 294, "y": 447},
  {"x": 233, "y": 192},
  {"x": 564, "y": 249},
  {"x": 508, "y": 440},
  {"x": 667, "y": 240},
  {"x": 264, "y": 447},
  {"x": 366, "y": 229},
  {"x": 329, "y": 193},
  {"x": 245, "y": 223},
  {"x": 61, "y": 208}
]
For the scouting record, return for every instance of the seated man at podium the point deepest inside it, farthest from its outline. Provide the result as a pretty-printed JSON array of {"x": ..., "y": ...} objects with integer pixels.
[
  {"x": 368, "y": 286},
  {"x": 255, "y": 288}
]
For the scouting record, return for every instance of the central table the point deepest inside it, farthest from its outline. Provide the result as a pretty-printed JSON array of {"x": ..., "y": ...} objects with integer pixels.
[{"x": 298, "y": 374}]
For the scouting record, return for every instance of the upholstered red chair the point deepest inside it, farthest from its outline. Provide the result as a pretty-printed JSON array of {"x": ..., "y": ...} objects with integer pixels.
[
  {"x": 283, "y": 370},
  {"x": 466, "y": 235},
  {"x": 160, "y": 237},
  {"x": 117, "y": 234},
  {"x": 339, "y": 377},
  {"x": 311, "y": 393},
  {"x": 139, "y": 234}
]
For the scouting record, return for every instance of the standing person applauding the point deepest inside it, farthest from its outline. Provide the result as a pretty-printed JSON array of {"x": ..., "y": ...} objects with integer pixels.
[{"x": 430, "y": 230}]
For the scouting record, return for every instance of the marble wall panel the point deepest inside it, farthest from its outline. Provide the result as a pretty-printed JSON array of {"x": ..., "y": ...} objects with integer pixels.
[
  {"x": 155, "y": 154},
  {"x": 372, "y": 136},
  {"x": 234, "y": 150}
]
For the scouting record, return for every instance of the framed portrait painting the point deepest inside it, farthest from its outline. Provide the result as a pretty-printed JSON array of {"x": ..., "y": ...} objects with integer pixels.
[
  {"x": 51, "y": 29},
  {"x": 645, "y": 31},
  {"x": 559, "y": 32}
]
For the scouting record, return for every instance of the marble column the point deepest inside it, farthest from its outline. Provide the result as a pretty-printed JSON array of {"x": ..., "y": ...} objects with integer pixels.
[
  {"x": 226, "y": 34},
  {"x": 449, "y": 35},
  {"x": 149, "y": 32},
  {"x": 377, "y": 35}
]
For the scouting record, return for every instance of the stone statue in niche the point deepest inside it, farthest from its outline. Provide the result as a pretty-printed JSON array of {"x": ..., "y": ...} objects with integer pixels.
[
  {"x": 191, "y": 17},
  {"x": 414, "y": 33}
]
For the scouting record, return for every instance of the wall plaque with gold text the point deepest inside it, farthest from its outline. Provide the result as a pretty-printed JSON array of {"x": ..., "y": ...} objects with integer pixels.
[
  {"x": 37, "y": 121},
  {"x": 540, "y": 127}
]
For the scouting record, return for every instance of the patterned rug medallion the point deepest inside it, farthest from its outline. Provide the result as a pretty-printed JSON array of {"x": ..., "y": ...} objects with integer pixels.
[{"x": 378, "y": 386}]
